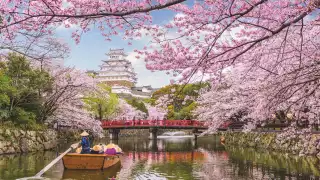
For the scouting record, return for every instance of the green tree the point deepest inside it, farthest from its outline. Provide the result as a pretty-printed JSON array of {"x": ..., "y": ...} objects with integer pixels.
[
  {"x": 138, "y": 104},
  {"x": 102, "y": 103},
  {"x": 4, "y": 98},
  {"x": 183, "y": 96},
  {"x": 149, "y": 101},
  {"x": 21, "y": 90}
]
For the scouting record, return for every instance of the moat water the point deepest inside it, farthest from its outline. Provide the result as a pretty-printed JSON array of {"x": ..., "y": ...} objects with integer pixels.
[{"x": 183, "y": 159}]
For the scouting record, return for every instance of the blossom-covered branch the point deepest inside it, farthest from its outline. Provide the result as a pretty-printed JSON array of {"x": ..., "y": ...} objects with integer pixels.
[
  {"x": 213, "y": 35},
  {"x": 39, "y": 46},
  {"x": 38, "y": 15},
  {"x": 64, "y": 104}
]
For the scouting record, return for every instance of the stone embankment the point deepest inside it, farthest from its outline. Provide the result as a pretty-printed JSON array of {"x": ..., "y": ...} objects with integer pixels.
[
  {"x": 274, "y": 142},
  {"x": 17, "y": 141}
]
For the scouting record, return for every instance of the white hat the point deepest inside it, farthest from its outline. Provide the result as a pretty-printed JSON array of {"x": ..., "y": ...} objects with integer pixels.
[
  {"x": 84, "y": 134},
  {"x": 289, "y": 116},
  {"x": 97, "y": 148}
]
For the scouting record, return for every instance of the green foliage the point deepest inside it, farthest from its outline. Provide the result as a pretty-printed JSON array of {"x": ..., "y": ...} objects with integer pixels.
[
  {"x": 21, "y": 116},
  {"x": 4, "y": 98},
  {"x": 102, "y": 103},
  {"x": 149, "y": 101},
  {"x": 21, "y": 88},
  {"x": 91, "y": 75},
  {"x": 180, "y": 108},
  {"x": 186, "y": 111},
  {"x": 138, "y": 104},
  {"x": 33, "y": 126}
]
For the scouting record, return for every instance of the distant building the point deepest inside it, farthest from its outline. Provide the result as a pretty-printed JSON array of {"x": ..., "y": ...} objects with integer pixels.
[{"x": 118, "y": 73}]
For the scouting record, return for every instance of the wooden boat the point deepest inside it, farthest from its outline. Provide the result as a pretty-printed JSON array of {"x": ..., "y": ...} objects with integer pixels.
[
  {"x": 93, "y": 174},
  {"x": 89, "y": 161}
]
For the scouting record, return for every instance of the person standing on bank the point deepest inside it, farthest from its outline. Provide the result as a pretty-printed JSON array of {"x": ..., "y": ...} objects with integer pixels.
[{"x": 85, "y": 143}]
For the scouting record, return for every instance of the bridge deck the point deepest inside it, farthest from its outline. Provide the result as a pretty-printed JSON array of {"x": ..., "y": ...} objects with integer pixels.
[{"x": 145, "y": 124}]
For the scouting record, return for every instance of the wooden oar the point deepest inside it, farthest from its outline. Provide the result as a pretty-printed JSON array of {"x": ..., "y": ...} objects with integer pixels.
[{"x": 39, "y": 174}]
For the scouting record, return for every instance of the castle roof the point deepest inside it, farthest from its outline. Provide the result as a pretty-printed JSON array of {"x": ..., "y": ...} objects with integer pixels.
[{"x": 116, "y": 52}]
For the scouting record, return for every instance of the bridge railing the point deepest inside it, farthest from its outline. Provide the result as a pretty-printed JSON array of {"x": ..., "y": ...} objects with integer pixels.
[{"x": 140, "y": 123}]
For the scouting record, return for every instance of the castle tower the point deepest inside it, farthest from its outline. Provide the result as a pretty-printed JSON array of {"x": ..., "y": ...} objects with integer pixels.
[{"x": 117, "y": 72}]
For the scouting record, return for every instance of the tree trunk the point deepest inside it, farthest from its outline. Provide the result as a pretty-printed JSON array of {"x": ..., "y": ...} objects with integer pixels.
[{"x": 100, "y": 112}]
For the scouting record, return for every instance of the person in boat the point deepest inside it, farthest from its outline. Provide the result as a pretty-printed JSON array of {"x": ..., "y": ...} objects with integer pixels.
[
  {"x": 85, "y": 143},
  {"x": 98, "y": 149},
  {"x": 95, "y": 149},
  {"x": 101, "y": 149},
  {"x": 111, "y": 151}
]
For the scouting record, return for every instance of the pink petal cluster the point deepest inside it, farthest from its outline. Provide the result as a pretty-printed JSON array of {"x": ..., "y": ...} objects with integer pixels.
[
  {"x": 70, "y": 85},
  {"x": 262, "y": 56},
  {"x": 163, "y": 102},
  {"x": 155, "y": 113},
  {"x": 108, "y": 16},
  {"x": 127, "y": 112}
]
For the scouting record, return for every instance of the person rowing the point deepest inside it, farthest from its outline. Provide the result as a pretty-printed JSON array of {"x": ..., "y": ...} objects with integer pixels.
[{"x": 85, "y": 143}]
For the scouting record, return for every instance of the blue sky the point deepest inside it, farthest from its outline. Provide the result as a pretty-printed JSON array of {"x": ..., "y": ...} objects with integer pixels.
[{"x": 90, "y": 52}]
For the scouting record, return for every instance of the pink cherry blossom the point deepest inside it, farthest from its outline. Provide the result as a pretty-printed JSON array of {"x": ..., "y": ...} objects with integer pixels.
[
  {"x": 262, "y": 56},
  {"x": 127, "y": 112},
  {"x": 155, "y": 113},
  {"x": 65, "y": 100}
]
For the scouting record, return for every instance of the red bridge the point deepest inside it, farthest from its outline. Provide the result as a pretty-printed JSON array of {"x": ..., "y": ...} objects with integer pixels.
[
  {"x": 146, "y": 124},
  {"x": 153, "y": 125}
]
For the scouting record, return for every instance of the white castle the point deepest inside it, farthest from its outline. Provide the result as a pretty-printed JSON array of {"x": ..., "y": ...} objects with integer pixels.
[{"x": 118, "y": 73}]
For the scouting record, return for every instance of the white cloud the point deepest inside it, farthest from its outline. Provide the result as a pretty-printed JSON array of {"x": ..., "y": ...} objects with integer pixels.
[
  {"x": 135, "y": 61},
  {"x": 178, "y": 15},
  {"x": 145, "y": 76}
]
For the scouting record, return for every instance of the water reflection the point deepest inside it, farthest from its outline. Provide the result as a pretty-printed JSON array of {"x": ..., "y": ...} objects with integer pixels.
[
  {"x": 161, "y": 159},
  {"x": 280, "y": 166},
  {"x": 135, "y": 144},
  {"x": 164, "y": 157},
  {"x": 23, "y": 165}
]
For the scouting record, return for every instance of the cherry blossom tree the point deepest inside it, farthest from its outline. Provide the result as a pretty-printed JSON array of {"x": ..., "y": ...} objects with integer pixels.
[
  {"x": 37, "y": 46},
  {"x": 75, "y": 117},
  {"x": 155, "y": 113},
  {"x": 212, "y": 35},
  {"x": 107, "y": 15},
  {"x": 240, "y": 90},
  {"x": 277, "y": 54},
  {"x": 64, "y": 104},
  {"x": 236, "y": 91},
  {"x": 274, "y": 44},
  {"x": 127, "y": 112}
]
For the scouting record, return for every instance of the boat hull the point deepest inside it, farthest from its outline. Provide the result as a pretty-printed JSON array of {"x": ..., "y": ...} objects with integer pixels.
[{"x": 89, "y": 161}]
